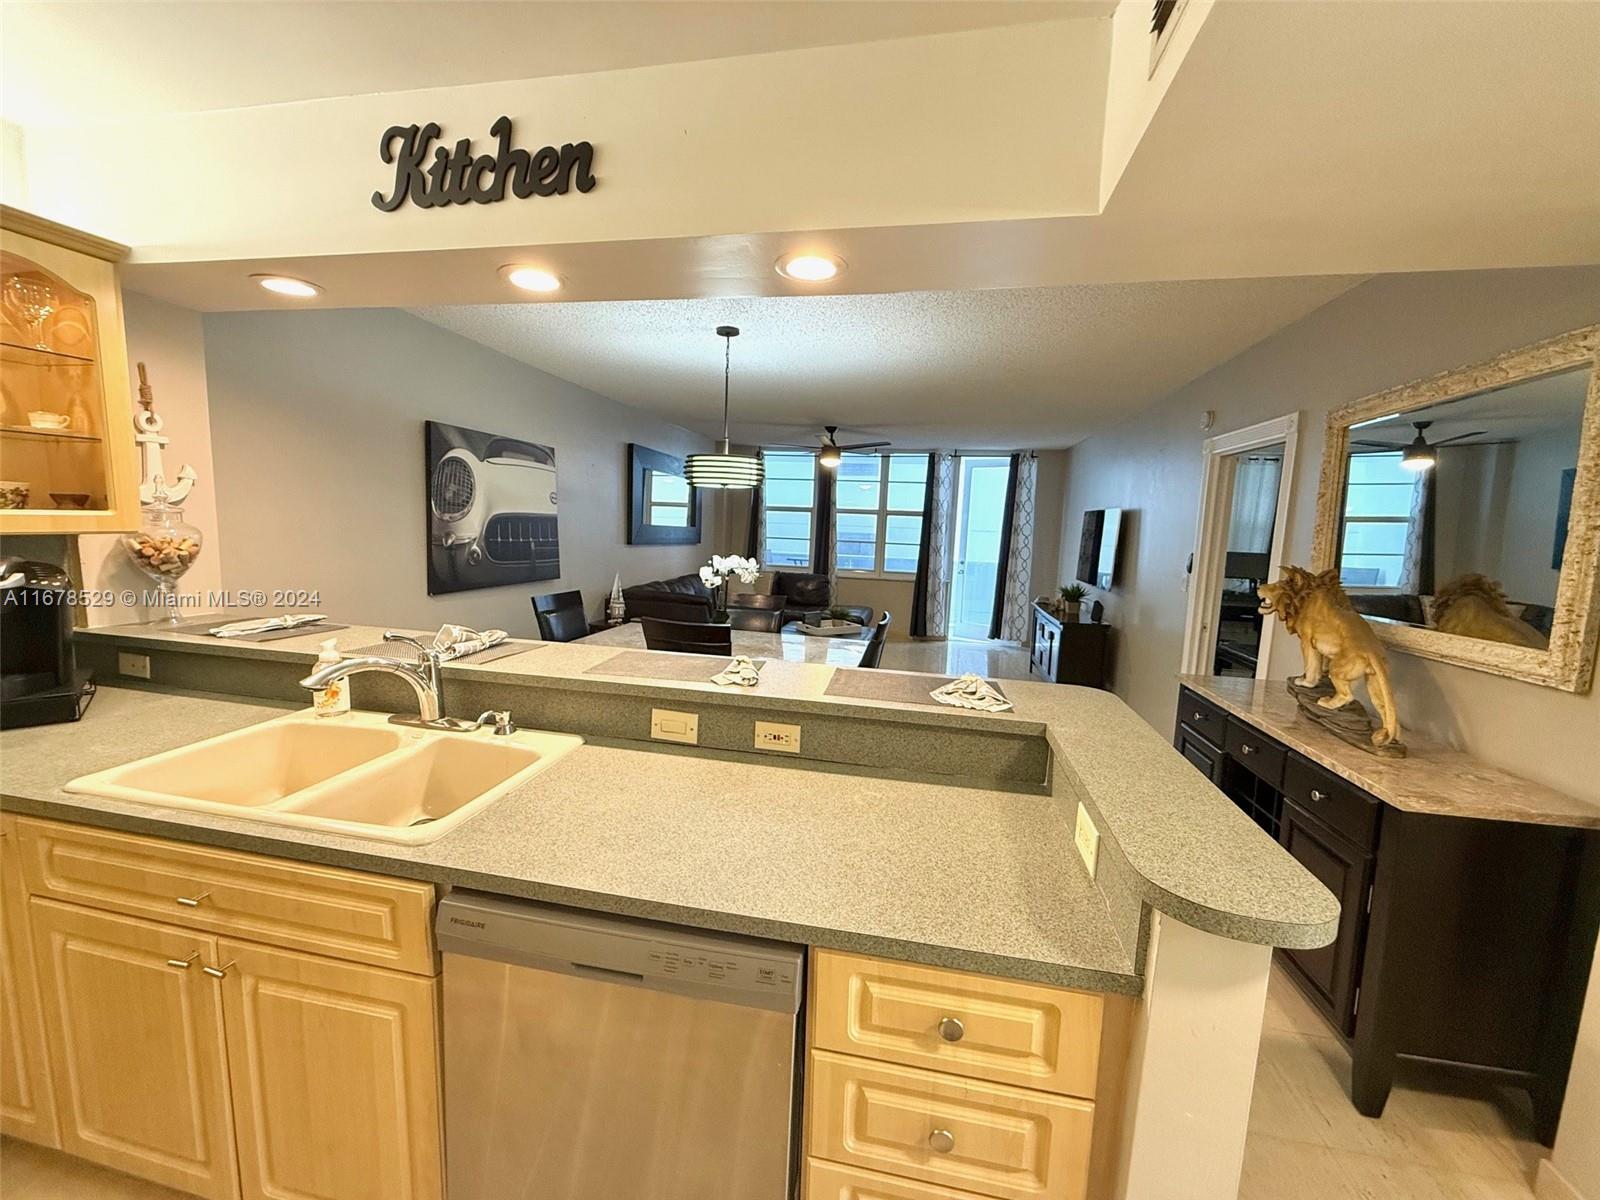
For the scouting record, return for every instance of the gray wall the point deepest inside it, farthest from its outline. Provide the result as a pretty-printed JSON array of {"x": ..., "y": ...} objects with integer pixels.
[
  {"x": 316, "y": 425},
  {"x": 1388, "y": 331}
]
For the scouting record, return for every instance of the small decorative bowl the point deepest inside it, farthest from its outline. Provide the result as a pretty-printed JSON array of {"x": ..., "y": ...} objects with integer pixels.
[
  {"x": 70, "y": 499},
  {"x": 13, "y": 494}
]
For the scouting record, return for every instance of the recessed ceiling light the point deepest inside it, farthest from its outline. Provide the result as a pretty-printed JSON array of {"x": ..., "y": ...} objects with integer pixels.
[
  {"x": 810, "y": 268},
  {"x": 287, "y": 285},
  {"x": 532, "y": 279}
]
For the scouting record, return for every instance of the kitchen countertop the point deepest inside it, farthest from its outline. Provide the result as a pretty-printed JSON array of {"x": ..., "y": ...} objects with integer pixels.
[
  {"x": 1169, "y": 840},
  {"x": 1431, "y": 779},
  {"x": 944, "y": 875}
]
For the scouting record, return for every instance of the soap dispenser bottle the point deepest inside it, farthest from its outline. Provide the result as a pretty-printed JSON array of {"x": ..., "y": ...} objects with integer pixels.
[{"x": 335, "y": 698}]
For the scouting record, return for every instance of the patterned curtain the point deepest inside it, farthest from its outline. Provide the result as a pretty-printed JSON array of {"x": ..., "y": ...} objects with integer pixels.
[
  {"x": 1416, "y": 572},
  {"x": 942, "y": 484},
  {"x": 1011, "y": 618}
]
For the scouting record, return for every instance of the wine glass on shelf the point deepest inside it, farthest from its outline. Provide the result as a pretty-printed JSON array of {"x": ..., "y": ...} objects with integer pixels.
[{"x": 33, "y": 300}]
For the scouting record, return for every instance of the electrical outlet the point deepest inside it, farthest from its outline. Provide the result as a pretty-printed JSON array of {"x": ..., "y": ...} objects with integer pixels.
[
  {"x": 777, "y": 737},
  {"x": 135, "y": 665},
  {"x": 669, "y": 726},
  {"x": 1087, "y": 838}
]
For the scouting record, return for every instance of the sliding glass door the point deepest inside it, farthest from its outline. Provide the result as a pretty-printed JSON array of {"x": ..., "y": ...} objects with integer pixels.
[{"x": 980, "y": 511}]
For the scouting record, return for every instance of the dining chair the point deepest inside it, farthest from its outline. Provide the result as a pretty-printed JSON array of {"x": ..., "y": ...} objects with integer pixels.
[
  {"x": 561, "y": 617},
  {"x": 873, "y": 654},
  {"x": 687, "y": 637},
  {"x": 756, "y": 620}
]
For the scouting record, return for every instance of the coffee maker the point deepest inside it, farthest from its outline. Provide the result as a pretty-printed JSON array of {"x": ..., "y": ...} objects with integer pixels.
[{"x": 40, "y": 683}]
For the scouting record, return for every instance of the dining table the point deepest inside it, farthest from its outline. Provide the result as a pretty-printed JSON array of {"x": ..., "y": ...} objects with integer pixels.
[{"x": 789, "y": 644}]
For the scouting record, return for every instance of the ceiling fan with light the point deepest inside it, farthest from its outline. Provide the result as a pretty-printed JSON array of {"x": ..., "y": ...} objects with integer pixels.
[
  {"x": 1419, "y": 453},
  {"x": 829, "y": 452}
]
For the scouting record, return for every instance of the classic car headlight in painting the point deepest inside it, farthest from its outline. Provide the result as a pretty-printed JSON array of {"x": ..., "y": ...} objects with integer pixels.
[{"x": 491, "y": 510}]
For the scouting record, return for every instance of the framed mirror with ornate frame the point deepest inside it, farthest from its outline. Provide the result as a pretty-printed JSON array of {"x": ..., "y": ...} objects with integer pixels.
[{"x": 1463, "y": 512}]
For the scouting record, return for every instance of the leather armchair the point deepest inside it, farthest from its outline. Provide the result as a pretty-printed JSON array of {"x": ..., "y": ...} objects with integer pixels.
[{"x": 804, "y": 592}]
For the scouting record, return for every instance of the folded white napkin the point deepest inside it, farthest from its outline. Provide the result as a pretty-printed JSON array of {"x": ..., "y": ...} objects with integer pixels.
[
  {"x": 458, "y": 641},
  {"x": 970, "y": 691},
  {"x": 741, "y": 672},
  {"x": 263, "y": 624}
]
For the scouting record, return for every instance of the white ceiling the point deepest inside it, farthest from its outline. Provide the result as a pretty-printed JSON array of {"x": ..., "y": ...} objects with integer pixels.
[
  {"x": 982, "y": 370},
  {"x": 169, "y": 56}
]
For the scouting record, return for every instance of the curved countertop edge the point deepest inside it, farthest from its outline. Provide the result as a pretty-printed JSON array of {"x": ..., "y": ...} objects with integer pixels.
[
  {"x": 1057, "y": 974},
  {"x": 1191, "y": 852}
]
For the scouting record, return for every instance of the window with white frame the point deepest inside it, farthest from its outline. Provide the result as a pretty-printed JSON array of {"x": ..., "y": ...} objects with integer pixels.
[
  {"x": 787, "y": 496},
  {"x": 1377, "y": 520},
  {"x": 879, "y": 501}
]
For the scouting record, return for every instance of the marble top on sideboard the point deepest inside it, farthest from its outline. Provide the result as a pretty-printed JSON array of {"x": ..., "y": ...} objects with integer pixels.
[{"x": 1430, "y": 779}]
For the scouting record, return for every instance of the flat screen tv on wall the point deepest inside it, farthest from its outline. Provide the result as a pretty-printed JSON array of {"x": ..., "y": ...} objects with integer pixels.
[{"x": 1097, "y": 547}]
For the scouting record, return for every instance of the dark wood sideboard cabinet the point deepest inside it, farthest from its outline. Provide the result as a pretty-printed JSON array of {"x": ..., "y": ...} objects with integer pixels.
[
  {"x": 1069, "y": 650},
  {"x": 1462, "y": 942}
]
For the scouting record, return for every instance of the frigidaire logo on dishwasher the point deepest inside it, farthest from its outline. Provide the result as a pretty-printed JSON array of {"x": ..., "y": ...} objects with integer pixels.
[{"x": 468, "y": 924}]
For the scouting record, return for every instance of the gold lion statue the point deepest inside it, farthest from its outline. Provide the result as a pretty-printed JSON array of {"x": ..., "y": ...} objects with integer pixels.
[
  {"x": 1474, "y": 606},
  {"x": 1335, "y": 640}
]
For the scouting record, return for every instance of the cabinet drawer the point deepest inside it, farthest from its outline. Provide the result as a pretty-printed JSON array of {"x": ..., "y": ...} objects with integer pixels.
[
  {"x": 1256, "y": 752},
  {"x": 998, "y": 1141},
  {"x": 831, "y": 1181},
  {"x": 1201, "y": 716},
  {"x": 323, "y": 910},
  {"x": 1024, "y": 1034},
  {"x": 1337, "y": 804}
]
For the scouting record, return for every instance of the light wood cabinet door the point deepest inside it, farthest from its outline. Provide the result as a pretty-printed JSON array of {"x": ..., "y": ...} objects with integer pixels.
[
  {"x": 64, "y": 355},
  {"x": 1002, "y": 1030},
  {"x": 830, "y": 1181},
  {"x": 27, "y": 1104},
  {"x": 324, "y": 910},
  {"x": 334, "y": 1070},
  {"x": 136, "y": 1045},
  {"x": 964, "y": 1134}
]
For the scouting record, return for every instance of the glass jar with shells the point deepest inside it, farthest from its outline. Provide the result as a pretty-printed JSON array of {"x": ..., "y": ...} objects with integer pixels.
[{"x": 164, "y": 547}]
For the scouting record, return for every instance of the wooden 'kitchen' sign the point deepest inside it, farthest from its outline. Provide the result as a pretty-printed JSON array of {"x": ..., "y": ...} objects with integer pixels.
[{"x": 458, "y": 176}]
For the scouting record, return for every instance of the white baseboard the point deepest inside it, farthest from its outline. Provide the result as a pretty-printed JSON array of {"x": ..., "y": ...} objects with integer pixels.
[{"x": 1550, "y": 1184}]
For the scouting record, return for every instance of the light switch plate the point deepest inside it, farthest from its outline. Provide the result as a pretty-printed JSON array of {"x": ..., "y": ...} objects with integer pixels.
[
  {"x": 669, "y": 726},
  {"x": 1087, "y": 838},
  {"x": 771, "y": 736},
  {"x": 136, "y": 666}
]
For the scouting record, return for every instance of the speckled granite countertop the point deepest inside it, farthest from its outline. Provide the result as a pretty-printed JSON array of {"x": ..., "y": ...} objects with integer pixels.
[
  {"x": 1430, "y": 779},
  {"x": 982, "y": 881},
  {"x": 1169, "y": 839}
]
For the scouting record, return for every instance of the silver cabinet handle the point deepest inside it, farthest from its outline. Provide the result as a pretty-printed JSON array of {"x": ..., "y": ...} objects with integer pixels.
[
  {"x": 1198, "y": 717},
  {"x": 941, "y": 1141},
  {"x": 1317, "y": 796},
  {"x": 218, "y": 972},
  {"x": 951, "y": 1029},
  {"x": 1247, "y": 748},
  {"x": 183, "y": 964},
  {"x": 192, "y": 901}
]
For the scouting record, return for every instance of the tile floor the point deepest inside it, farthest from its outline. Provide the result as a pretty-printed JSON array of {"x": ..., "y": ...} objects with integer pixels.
[
  {"x": 992, "y": 660},
  {"x": 1307, "y": 1142}
]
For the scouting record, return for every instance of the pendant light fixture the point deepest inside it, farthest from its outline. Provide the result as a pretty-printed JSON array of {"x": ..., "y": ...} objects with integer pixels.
[{"x": 724, "y": 469}]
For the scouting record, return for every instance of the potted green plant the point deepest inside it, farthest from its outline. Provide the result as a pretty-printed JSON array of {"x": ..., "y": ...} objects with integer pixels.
[{"x": 1072, "y": 599}]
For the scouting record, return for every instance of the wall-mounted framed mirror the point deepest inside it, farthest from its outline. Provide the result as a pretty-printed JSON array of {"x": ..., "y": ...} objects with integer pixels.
[
  {"x": 663, "y": 510},
  {"x": 1463, "y": 512}
]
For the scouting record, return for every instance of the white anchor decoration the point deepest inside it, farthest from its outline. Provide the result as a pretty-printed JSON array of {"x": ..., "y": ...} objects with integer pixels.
[{"x": 147, "y": 433}]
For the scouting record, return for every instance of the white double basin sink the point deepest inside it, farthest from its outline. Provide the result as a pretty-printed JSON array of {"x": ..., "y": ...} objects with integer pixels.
[{"x": 354, "y": 774}]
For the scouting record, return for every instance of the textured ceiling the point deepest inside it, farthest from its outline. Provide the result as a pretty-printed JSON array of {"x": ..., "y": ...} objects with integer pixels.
[
  {"x": 163, "y": 56},
  {"x": 983, "y": 369}
]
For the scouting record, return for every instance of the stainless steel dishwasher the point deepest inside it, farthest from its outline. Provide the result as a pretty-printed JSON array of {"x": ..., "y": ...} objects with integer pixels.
[{"x": 591, "y": 1057}]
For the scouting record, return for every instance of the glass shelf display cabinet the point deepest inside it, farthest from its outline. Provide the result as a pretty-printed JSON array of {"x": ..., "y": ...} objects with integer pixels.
[{"x": 68, "y": 462}]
